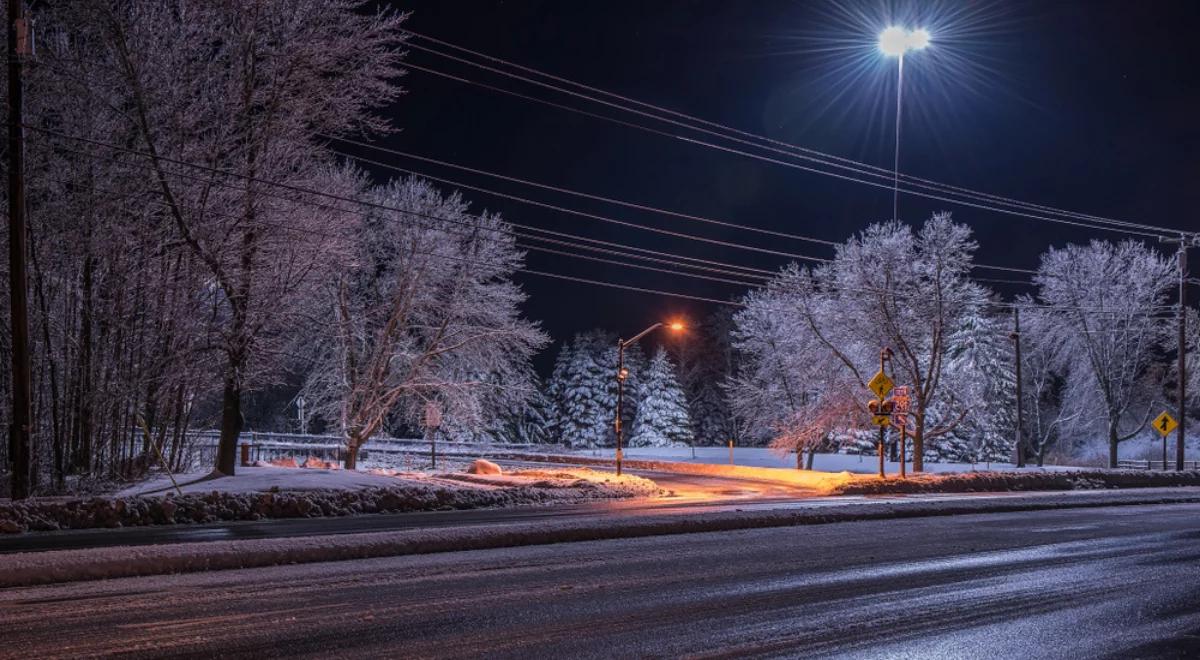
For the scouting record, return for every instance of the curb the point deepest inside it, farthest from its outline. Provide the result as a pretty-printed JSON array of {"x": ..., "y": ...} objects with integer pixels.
[{"x": 58, "y": 566}]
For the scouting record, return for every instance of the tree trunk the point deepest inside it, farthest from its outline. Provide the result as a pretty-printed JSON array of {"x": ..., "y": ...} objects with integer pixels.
[
  {"x": 812, "y": 451},
  {"x": 918, "y": 444},
  {"x": 231, "y": 422},
  {"x": 350, "y": 462},
  {"x": 1112, "y": 445}
]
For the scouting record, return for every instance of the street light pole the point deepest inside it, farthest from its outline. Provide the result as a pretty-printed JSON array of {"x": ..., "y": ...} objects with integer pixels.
[
  {"x": 895, "y": 42},
  {"x": 896, "y": 160},
  {"x": 622, "y": 374}
]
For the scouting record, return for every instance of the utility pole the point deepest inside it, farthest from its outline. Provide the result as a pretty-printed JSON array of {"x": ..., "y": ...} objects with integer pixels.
[
  {"x": 621, "y": 374},
  {"x": 1184, "y": 242},
  {"x": 1019, "y": 445},
  {"x": 22, "y": 379}
]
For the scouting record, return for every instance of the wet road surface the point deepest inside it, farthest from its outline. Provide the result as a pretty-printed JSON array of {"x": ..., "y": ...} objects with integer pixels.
[{"x": 1077, "y": 583}]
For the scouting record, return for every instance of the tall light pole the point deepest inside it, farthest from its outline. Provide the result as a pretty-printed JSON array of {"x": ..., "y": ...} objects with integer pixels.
[
  {"x": 895, "y": 42},
  {"x": 622, "y": 374}
]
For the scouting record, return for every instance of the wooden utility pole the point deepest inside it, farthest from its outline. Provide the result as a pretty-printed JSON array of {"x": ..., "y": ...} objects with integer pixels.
[
  {"x": 22, "y": 387},
  {"x": 1019, "y": 444},
  {"x": 1184, "y": 242},
  {"x": 1182, "y": 356}
]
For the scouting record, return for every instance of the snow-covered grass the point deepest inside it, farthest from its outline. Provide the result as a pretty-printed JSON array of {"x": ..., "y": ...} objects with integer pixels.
[{"x": 275, "y": 492}]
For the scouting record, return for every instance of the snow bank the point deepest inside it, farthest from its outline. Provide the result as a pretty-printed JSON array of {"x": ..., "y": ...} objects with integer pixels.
[
  {"x": 271, "y": 492},
  {"x": 1021, "y": 481},
  {"x": 24, "y": 569}
]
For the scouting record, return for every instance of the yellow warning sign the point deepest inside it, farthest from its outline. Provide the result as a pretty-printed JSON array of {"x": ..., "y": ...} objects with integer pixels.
[
  {"x": 881, "y": 420},
  {"x": 1165, "y": 423},
  {"x": 880, "y": 384}
]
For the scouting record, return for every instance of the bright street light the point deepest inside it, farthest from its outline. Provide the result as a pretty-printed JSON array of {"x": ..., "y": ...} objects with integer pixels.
[{"x": 894, "y": 42}]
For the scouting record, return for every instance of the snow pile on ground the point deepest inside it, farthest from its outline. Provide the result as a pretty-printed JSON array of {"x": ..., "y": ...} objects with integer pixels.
[
  {"x": 1021, "y": 481},
  {"x": 271, "y": 492}
]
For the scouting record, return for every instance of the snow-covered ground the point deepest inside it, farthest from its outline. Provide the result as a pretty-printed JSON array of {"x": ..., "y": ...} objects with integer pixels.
[
  {"x": 278, "y": 492},
  {"x": 764, "y": 457},
  {"x": 261, "y": 480}
]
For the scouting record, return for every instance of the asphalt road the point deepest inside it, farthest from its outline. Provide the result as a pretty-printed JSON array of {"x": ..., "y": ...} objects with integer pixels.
[
  {"x": 1079, "y": 583},
  {"x": 693, "y": 494}
]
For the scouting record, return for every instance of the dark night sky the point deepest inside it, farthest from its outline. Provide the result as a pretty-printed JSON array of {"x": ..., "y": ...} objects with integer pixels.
[{"x": 1089, "y": 106}]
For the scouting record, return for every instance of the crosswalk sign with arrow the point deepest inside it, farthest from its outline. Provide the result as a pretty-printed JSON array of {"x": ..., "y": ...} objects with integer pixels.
[{"x": 1165, "y": 423}]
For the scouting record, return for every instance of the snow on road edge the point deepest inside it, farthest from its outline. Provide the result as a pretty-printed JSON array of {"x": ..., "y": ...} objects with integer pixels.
[{"x": 27, "y": 569}]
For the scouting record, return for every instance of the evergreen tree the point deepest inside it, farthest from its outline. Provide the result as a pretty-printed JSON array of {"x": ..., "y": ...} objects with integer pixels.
[
  {"x": 982, "y": 374},
  {"x": 583, "y": 390},
  {"x": 704, "y": 362},
  {"x": 528, "y": 421},
  {"x": 662, "y": 417}
]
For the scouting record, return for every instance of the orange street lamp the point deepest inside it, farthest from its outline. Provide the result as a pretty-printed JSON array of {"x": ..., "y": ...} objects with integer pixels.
[{"x": 623, "y": 373}]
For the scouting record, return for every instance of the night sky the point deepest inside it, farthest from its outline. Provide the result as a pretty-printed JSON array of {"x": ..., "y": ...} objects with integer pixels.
[{"x": 1086, "y": 106}]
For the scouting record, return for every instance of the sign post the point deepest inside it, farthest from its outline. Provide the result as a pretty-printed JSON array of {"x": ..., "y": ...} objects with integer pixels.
[
  {"x": 901, "y": 406},
  {"x": 432, "y": 420},
  {"x": 881, "y": 407},
  {"x": 1164, "y": 424}
]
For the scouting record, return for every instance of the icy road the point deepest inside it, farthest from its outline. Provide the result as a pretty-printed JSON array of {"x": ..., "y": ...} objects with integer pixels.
[{"x": 1085, "y": 583}]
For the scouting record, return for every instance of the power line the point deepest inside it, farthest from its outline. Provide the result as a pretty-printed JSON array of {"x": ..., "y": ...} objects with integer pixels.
[
  {"x": 700, "y": 264},
  {"x": 981, "y": 200},
  {"x": 854, "y": 165},
  {"x": 536, "y": 184},
  {"x": 305, "y": 190},
  {"x": 601, "y": 198}
]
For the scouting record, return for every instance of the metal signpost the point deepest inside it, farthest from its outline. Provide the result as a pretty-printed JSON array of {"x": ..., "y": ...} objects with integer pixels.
[
  {"x": 881, "y": 407},
  {"x": 1164, "y": 424},
  {"x": 901, "y": 406},
  {"x": 432, "y": 420}
]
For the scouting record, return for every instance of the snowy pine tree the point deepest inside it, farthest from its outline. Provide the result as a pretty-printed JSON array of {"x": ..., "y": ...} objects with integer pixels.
[
  {"x": 583, "y": 390},
  {"x": 981, "y": 372},
  {"x": 704, "y": 363},
  {"x": 662, "y": 416}
]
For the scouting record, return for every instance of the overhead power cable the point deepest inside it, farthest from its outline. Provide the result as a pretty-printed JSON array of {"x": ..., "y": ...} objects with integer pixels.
[
  {"x": 983, "y": 201},
  {"x": 318, "y": 193}
]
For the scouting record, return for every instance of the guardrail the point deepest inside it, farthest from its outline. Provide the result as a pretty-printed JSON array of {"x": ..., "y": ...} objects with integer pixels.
[
  {"x": 1130, "y": 464},
  {"x": 265, "y": 446}
]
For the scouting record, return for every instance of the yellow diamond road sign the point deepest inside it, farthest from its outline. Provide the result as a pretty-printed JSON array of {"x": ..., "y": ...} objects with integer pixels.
[
  {"x": 880, "y": 420},
  {"x": 880, "y": 384},
  {"x": 1165, "y": 423}
]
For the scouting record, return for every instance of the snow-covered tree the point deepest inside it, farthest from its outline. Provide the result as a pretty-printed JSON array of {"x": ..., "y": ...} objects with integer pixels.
[
  {"x": 426, "y": 311},
  {"x": 1051, "y": 410},
  {"x": 583, "y": 389},
  {"x": 662, "y": 411},
  {"x": 527, "y": 421},
  {"x": 221, "y": 103},
  {"x": 789, "y": 389},
  {"x": 889, "y": 287},
  {"x": 981, "y": 369},
  {"x": 704, "y": 361},
  {"x": 1102, "y": 300}
]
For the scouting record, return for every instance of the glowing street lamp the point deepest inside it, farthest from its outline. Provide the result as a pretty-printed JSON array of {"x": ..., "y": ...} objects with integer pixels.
[
  {"x": 623, "y": 373},
  {"x": 894, "y": 42}
]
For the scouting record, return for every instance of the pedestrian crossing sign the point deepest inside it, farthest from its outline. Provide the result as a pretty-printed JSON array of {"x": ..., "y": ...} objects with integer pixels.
[{"x": 880, "y": 384}]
